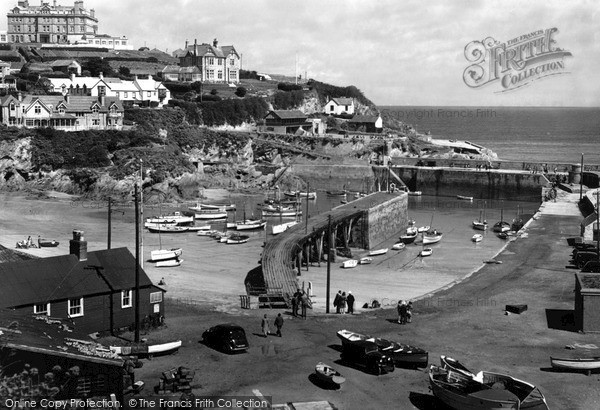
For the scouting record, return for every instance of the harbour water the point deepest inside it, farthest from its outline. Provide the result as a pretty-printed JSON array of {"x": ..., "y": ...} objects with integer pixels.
[{"x": 540, "y": 134}]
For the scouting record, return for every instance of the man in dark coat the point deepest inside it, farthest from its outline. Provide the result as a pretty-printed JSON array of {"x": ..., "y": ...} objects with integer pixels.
[
  {"x": 279, "y": 324},
  {"x": 336, "y": 301},
  {"x": 350, "y": 301}
]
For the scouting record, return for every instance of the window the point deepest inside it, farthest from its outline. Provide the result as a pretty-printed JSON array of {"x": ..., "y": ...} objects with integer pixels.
[
  {"x": 12, "y": 106},
  {"x": 61, "y": 109},
  {"x": 331, "y": 107},
  {"x": 96, "y": 122},
  {"x": 113, "y": 109},
  {"x": 101, "y": 90},
  {"x": 211, "y": 73},
  {"x": 156, "y": 297},
  {"x": 125, "y": 94},
  {"x": 211, "y": 60},
  {"x": 220, "y": 75},
  {"x": 75, "y": 307},
  {"x": 126, "y": 299},
  {"x": 149, "y": 94},
  {"x": 220, "y": 61},
  {"x": 37, "y": 109},
  {"x": 42, "y": 309},
  {"x": 232, "y": 61},
  {"x": 95, "y": 109}
]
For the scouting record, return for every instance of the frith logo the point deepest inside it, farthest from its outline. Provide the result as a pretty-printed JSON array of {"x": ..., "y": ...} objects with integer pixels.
[{"x": 514, "y": 63}]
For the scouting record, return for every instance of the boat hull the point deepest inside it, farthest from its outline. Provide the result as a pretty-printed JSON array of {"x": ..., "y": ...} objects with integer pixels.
[
  {"x": 171, "y": 263},
  {"x": 408, "y": 239},
  {"x": 431, "y": 239},
  {"x": 165, "y": 254},
  {"x": 328, "y": 375},
  {"x": 210, "y": 215},
  {"x": 575, "y": 364},
  {"x": 48, "y": 244}
]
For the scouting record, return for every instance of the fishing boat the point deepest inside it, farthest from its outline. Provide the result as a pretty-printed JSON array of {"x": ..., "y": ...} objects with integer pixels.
[
  {"x": 586, "y": 364},
  {"x": 249, "y": 224},
  {"x": 398, "y": 246},
  {"x": 277, "y": 229},
  {"x": 501, "y": 226},
  {"x": 365, "y": 261},
  {"x": 203, "y": 207},
  {"x": 480, "y": 224},
  {"x": 403, "y": 355},
  {"x": 528, "y": 396},
  {"x": 327, "y": 374},
  {"x": 211, "y": 214},
  {"x": 147, "y": 350},
  {"x": 196, "y": 228},
  {"x": 287, "y": 211},
  {"x": 301, "y": 194},
  {"x": 350, "y": 263},
  {"x": 409, "y": 237},
  {"x": 168, "y": 229},
  {"x": 432, "y": 236},
  {"x": 169, "y": 263},
  {"x": 165, "y": 254},
  {"x": 45, "y": 243},
  {"x": 176, "y": 218},
  {"x": 237, "y": 239},
  {"x": 346, "y": 336},
  {"x": 464, "y": 198},
  {"x": 209, "y": 232},
  {"x": 423, "y": 228},
  {"x": 426, "y": 252},
  {"x": 377, "y": 252},
  {"x": 343, "y": 192},
  {"x": 477, "y": 237}
]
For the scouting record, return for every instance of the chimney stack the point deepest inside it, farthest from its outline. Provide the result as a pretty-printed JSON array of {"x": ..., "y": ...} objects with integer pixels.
[
  {"x": 20, "y": 96},
  {"x": 78, "y": 246},
  {"x": 102, "y": 100},
  {"x": 72, "y": 77},
  {"x": 101, "y": 75},
  {"x": 215, "y": 43},
  {"x": 186, "y": 44}
]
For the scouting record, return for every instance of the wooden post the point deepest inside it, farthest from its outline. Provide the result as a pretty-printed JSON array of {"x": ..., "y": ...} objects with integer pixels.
[
  {"x": 137, "y": 265},
  {"x": 328, "y": 289},
  {"x": 109, "y": 223}
]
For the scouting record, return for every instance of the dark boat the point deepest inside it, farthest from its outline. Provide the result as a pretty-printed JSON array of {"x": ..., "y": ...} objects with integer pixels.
[
  {"x": 44, "y": 243},
  {"x": 337, "y": 193},
  {"x": 408, "y": 238},
  {"x": 327, "y": 374},
  {"x": 403, "y": 355}
]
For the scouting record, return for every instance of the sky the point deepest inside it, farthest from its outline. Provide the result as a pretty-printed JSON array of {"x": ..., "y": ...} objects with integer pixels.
[{"x": 397, "y": 52}]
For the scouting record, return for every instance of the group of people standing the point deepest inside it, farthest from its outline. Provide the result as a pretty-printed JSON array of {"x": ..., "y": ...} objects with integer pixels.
[
  {"x": 300, "y": 300},
  {"x": 343, "y": 301},
  {"x": 404, "y": 312}
]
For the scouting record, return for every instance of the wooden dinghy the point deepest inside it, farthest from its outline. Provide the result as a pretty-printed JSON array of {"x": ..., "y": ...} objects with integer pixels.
[
  {"x": 328, "y": 374},
  {"x": 147, "y": 350},
  {"x": 378, "y": 252},
  {"x": 586, "y": 364}
]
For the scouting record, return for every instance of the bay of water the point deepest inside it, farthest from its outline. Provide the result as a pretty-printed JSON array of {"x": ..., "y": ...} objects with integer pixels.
[{"x": 544, "y": 134}]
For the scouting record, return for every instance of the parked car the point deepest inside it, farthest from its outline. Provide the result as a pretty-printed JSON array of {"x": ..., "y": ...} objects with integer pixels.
[
  {"x": 227, "y": 337},
  {"x": 591, "y": 266},
  {"x": 366, "y": 354},
  {"x": 584, "y": 257}
]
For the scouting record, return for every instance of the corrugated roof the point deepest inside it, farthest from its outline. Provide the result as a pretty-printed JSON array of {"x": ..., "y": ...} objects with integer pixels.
[{"x": 62, "y": 277}]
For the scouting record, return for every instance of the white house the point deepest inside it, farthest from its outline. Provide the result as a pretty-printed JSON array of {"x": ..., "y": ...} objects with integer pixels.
[{"x": 338, "y": 106}]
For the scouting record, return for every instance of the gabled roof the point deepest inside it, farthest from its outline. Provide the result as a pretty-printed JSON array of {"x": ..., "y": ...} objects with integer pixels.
[
  {"x": 205, "y": 49},
  {"x": 287, "y": 114},
  {"x": 76, "y": 103},
  {"x": 64, "y": 63},
  {"x": 365, "y": 118},
  {"x": 62, "y": 277},
  {"x": 228, "y": 50},
  {"x": 89, "y": 82},
  {"x": 342, "y": 101}
]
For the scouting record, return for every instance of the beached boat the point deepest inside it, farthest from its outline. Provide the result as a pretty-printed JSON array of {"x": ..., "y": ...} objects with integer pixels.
[
  {"x": 249, "y": 224},
  {"x": 169, "y": 263},
  {"x": 237, "y": 239},
  {"x": 165, "y": 254},
  {"x": 211, "y": 214},
  {"x": 168, "y": 229},
  {"x": 432, "y": 236},
  {"x": 403, "y": 355},
  {"x": 503, "y": 235},
  {"x": 408, "y": 238},
  {"x": 528, "y": 396},
  {"x": 377, "y": 252},
  {"x": 203, "y": 207},
  {"x": 365, "y": 261},
  {"x": 477, "y": 237},
  {"x": 301, "y": 194},
  {"x": 350, "y": 263},
  {"x": 196, "y": 228},
  {"x": 147, "y": 350},
  {"x": 398, "y": 246},
  {"x": 586, "y": 364},
  {"x": 343, "y": 192},
  {"x": 502, "y": 225},
  {"x": 426, "y": 252},
  {"x": 277, "y": 229},
  {"x": 45, "y": 243},
  {"x": 208, "y": 232},
  {"x": 347, "y": 336},
  {"x": 327, "y": 374},
  {"x": 425, "y": 228},
  {"x": 464, "y": 198},
  {"x": 176, "y": 218}
]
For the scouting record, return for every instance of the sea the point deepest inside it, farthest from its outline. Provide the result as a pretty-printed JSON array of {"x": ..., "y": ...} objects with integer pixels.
[{"x": 544, "y": 134}]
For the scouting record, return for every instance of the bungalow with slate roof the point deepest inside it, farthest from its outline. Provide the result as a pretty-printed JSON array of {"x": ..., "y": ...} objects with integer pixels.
[
  {"x": 286, "y": 122},
  {"x": 183, "y": 74},
  {"x": 67, "y": 113},
  {"x": 216, "y": 64},
  {"x": 339, "y": 106},
  {"x": 94, "y": 291},
  {"x": 366, "y": 123}
]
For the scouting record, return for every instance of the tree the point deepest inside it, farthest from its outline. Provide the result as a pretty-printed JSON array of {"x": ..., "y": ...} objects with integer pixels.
[
  {"x": 240, "y": 92},
  {"x": 124, "y": 71},
  {"x": 98, "y": 65}
]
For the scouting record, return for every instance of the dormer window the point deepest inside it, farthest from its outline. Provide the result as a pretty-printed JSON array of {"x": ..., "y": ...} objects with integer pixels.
[
  {"x": 95, "y": 109},
  {"x": 113, "y": 109},
  {"x": 61, "y": 109},
  {"x": 37, "y": 109}
]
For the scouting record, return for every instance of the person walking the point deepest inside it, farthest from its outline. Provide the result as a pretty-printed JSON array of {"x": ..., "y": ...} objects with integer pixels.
[
  {"x": 279, "y": 324},
  {"x": 295, "y": 304},
  {"x": 343, "y": 300},
  {"x": 401, "y": 312},
  {"x": 265, "y": 326},
  {"x": 409, "y": 309},
  {"x": 305, "y": 302},
  {"x": 350, "y": 301},
  {"x": 336, "y": 301}
]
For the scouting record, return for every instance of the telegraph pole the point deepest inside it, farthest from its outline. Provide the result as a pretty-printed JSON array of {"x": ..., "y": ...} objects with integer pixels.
[
  {"x": 328, "y": 289},
  {"x": 581, "y": 180},
  {"x": 137, "y": 265},
  {"x": 141, "y": 210},
  {"x": 109, "y": 222}
]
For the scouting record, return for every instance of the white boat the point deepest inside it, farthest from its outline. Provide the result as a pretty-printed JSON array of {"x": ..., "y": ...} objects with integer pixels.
[
  {"x": 464, "y": 198},
  {"x": 237, "y": 239},
  {"x": 209, "y": 232},
  {"x": 426, "y": 252},
  {"x": 480, "y": 225},
  {"x": 196, "y": 228},
  {"x": 292, "y": 212},
  {"x": 163, "y": 348},
  {"x": 249, "y": 224},
  {"x": 580, "y": 364},
  {"x": 432, "y": 236},
  {"x": 168, "y": 229},
  {"x": 378, "y": 252},
  {"x": 211, "y": 214},
  {"x": 301, "y": 194},
  {"x": 175, "y": 218},
  {"x": 165, "y": 254},
  {"x": 350, "y": 263},
  {"x": 169, "y": 263},
  {"x": 398, "y": 246},
  {"x": 156, "y": 224},
  {"x": 365, "y": 261},
  {"x": 477, "y": 237},
  {"x": 423, "y": 228},
  {"x": 277, "y": 229},
  {"x": 203, "y": 207}
]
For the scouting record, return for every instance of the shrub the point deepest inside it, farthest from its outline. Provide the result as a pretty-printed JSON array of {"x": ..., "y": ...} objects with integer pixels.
[
  {"x": 240, "y": 91},
  {"x": 289, "y": 87}
]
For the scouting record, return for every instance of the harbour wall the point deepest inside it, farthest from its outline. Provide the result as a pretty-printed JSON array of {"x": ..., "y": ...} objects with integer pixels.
[{"x": 386, "y": 219}]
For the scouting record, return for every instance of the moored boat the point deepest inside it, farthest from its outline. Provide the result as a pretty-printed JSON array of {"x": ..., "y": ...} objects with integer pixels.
[
  {"x": 586, "y": 364},
  {"x": 426, "y": 252},
  {"x": 503, "y": 235},
  {"x": 414, "y": 193},
  {"x": 398, "y": 246},
  {"x": 176, "y": 218},
  {"x": 237, "y": 239},
  {"x": 274, "y": 211},
  {"x": 350, "y": 263},
  {"x": 249, "y": 224},
  {"x": 328, "y": 374},
  {"x": 464, "y": 198},
  {"x": 422, "y": 229},
  {"x": 211, "y": 214},
  {"x": 477, "y": 237},
  {"x": 365, "y": 261},
  {"x": 343, "y": 192},
  {"x": 409, "y": 237},
  {"x": 203, "y": 207},
  {"x": 169, "y": 263},
  {"x": 301, "y": 194},
  {"x": 277, "y": 229},
  {"x": 168, "y": 229},
  {"x": 165, "y": 254},
  {"x": 377, "y": 252},
  {"x": 432, "y": 236}
]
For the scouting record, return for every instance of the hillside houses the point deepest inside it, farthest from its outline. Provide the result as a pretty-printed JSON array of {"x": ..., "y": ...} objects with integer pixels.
[
  {"x": 216, "y": 64},
  {"x": 339, "y": 106}
]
